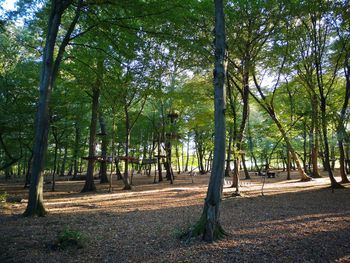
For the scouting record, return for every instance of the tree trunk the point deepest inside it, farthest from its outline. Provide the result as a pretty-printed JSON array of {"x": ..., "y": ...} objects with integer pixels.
[
  {"x": 29, "y": 165},
  {"x": 64, "y": 161},
  {"x": 48, "y": 76},
  {"x": 187, "y": 154},
  {"x": 169, "y": 170},
  {"x": 104, "y": 145},
  {"x": 177, "y": 158},
  {"x": 76, "y": 150},
  {"x": 246, "y": 173},
  {"x": 229, "y": 150},
  {"x": 126, "y": 180},
  {"x": 314, "y": 137},
  {"x": 209, "y": 224},
  {"x": 288, "y": 164},
  {"x": 160, "y": 176},
  {"x": 53, "y": 183},
  {"x": 334, "y": 183},
  {"x": 344, "y": 178},
  {"x": 347, "y": 160},
  {"x": 89, "y": 180},
  {"x": 332, "y": 157},
  {"x": 341, "y": 132}
]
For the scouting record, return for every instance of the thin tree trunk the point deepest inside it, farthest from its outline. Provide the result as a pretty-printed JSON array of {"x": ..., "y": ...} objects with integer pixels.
[
  {"x": 126, "y": 180},
  {"x": 104, "y": 145},
  {"x": 334, "y": 183},
  {"x": 160, "y": 176},
  {"x": 344, "y": 178},
  {"x": 229, "y": 150},
  {"x": 64, "y": 161},
  {"x": 288, "y": 164},
  {"x": 246, "y": 173},
  {"x": 89, "y": 180},
  {"x": 76, "y": 150},
  {"x": 187, "y": 153}
]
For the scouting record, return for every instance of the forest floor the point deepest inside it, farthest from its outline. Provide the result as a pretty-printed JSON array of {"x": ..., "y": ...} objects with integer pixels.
[{"x": 292, "y": 222}]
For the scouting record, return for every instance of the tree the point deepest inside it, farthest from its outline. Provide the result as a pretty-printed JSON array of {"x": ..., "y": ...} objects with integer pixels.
[
  {"x": 48, "y": 74},
  {"x": 209, "y": 224},
  {"x": 341, "y": 24},
  {"x": 96, "y": 90}
]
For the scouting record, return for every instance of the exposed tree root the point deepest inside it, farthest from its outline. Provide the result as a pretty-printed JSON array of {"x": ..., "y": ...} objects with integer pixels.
[
  {"x": 39, "y": 210},
  {"x": 127, "y": 187},
  {"x": 200, "y": 229},
  {"x": 344, "y": 181},
  {"x": 306, "y": 179},
  {"x": 86, "y": 188},
  {"x": 337, "y": 186}
]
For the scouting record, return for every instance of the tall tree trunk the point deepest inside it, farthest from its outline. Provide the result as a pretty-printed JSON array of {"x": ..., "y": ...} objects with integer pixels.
[
  {"x": 246, "y": 173},
  {"x": 288, "y": 164},
  {"x": 332, "y": 157},
  {"x": 344, "y": 178},
  {"x": 48, "y": 74},
  {"x": 53, "y": 183},
  {"x": 177, "y": 158},
  {"x": 64, "y": 161},
  {"x": 126, "y": 179},
  {"x": 347, "y": 159},
  {"x": 168, "y": 168},
  {"x": 159, "y": 163},
  {"x": 104, "y": 145},
  {"x": 76, "y": 150},
  {"x": 96, "y": 90},
  {"x": 334, "y": 183},
  {"x": 314, "y": 136},
  {"x": 341, "y": 133},
  {"x": 187, "y": 153},
  {"x": 209, "y": 224},
  {"x": 229, "y": 151}
]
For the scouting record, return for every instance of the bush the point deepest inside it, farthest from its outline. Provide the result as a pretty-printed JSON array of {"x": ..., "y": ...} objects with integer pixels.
[
  {"x": 70, "y": 238},
  {"x": 3, "y": 197}
]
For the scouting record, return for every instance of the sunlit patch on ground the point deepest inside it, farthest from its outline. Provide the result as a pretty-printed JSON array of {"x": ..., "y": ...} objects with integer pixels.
[{"x": 280, "y": 221}]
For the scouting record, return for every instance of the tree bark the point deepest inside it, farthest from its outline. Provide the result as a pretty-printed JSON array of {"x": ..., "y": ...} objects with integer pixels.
[
  {"x": 126, "y": 179},
  {"x": 209, "y": 224},
  {"x": 246, "y": 173},
  {"x": 160, "y": 176},
  {"x": 96, "y": 90},
  {"x": 48, "y": 74},
  {"x": 229, "y": 150},
  {"x": 76, "y": 149},
  {"x": 104, "y": 145},
  {"x": 64, "y": 161}
]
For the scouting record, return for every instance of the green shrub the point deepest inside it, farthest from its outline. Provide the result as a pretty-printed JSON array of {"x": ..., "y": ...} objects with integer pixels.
[
  {"x": 70, "y": 238},
  {"x": 3, "y": 197}
]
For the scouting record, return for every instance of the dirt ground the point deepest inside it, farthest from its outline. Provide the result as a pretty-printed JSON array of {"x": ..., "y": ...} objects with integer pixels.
[{"x": 291, "y": 222}]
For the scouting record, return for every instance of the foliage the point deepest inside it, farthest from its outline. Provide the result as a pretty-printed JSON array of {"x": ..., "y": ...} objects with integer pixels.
[
  {"x": 70, "y": 238},
  {"x": 3, "y": 197}
]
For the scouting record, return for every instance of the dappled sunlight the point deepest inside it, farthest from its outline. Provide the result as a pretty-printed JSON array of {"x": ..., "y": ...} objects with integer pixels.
[{"x": 291, "y": 214}]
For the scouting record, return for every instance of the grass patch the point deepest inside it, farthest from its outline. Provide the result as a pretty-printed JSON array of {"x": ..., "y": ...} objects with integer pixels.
[{"x": 70, "y": 238}]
